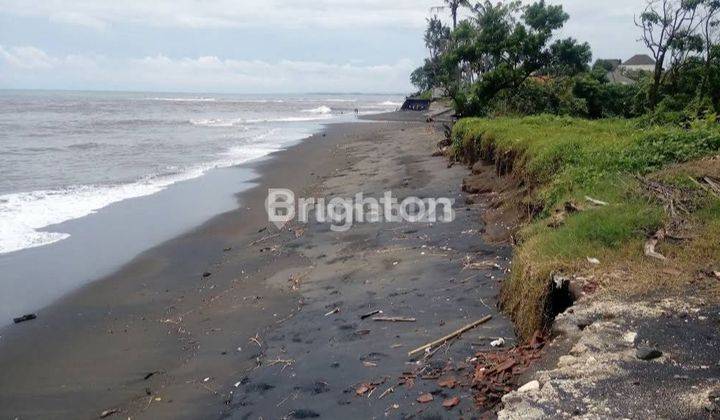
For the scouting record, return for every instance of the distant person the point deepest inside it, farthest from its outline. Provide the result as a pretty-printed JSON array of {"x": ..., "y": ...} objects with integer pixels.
[{"x": 357, "y": 112}]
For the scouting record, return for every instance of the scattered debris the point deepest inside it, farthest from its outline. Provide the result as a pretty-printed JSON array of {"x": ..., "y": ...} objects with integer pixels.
[
  {"x": 647, "y": 353},
  {"x": 498, "y": 343},
  {"x": 207, "y": 274},
  {"x": 334, "y": 311},
  {"x": 393, "y": 319},
  {"x": 369, "y": 314},
  {"x": 716, "y": 274},
  {"x": 596, "y": 202},
  {"x": 425, "y": 398},
  {"x": 108, "y": 413},
  {"x": 450, "y": 336},
  {"x": 593, "y": 261},
  {"x": 256, "y": 340},
  {"x": 495, "y": 370},
  {"x": 652, "y": 243},
  {"x": 451, "y": 402},
  {"x": 24, "y": 318},
  {"x": 387, "y": 391},
  {"x": 228, "y": 249},
  {"x": 264, "y": 239},
  {"x": 369, "y": 364}
]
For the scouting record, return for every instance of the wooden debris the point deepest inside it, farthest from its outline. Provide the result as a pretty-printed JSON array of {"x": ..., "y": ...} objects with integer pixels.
[
  {"x": 652, "y": 243},
  {"x": 25, "y": 318},
  {"x": 256, "y": 340},
  {"x": 714, "y": 185},
  {"x": 450, "y": 336},
  {"x": 495, "y": 371},
  {"x": 425, "y": 398},
  {"x": 593, "y": 261},
  {"x": 596, "y": 202},
  {"x": 108, "y": 413},
  {"x": 369, "y": 314},
  {"x": 451, "y": 402},
  {"x": 393, "y": 319},
  {"x": 334, "y": 311},
  {"x": 387, "y": 391},
  {"x": 264, "y": 239}
]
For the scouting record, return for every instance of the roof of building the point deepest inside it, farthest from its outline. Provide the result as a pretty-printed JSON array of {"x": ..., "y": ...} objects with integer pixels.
[{"x": 640, "y": 60}]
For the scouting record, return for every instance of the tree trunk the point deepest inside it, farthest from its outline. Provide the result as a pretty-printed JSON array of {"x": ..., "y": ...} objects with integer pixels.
[
  {"x": 454, "y": 11},
  {"x": 657, "y": 78}
]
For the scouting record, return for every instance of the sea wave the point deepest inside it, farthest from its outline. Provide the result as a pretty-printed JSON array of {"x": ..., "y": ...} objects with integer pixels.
[
  {"x": 25, "y": 216},
  {"x": 390, "y": 103},
  {"x": 241, "y": 121},
  {"x": 182, "y": 99},
  {"x": 319, "y": 110}
]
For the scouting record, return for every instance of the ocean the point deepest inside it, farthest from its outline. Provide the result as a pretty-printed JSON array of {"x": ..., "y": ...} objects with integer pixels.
[{"x": 67, "y": 155}]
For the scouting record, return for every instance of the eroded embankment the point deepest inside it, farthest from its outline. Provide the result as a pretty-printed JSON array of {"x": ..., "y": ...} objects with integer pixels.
[{"x": 594, "y": 206}]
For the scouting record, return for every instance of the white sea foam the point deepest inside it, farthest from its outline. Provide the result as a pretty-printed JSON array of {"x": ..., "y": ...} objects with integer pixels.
[
  {"x": 390, "y": 103},
  {"x": 182, "y": 99},
  {"x": 212, "y": 122},
  {"x": 319, "y": 110},
  {"x": 240, "y": 121},
  {"x": 23, "y": 215}
]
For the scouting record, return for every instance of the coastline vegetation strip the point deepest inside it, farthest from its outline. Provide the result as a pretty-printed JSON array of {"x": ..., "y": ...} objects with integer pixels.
[{"x": 650, "y": 177}]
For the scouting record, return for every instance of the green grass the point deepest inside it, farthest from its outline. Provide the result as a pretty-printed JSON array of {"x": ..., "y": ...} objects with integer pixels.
[{"x": 564, "y": 160}]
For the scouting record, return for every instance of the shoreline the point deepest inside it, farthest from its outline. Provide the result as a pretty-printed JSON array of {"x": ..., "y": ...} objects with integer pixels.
[{"x": 158, "y": 316}]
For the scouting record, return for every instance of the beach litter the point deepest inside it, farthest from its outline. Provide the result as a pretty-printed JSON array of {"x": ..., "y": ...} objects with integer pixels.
[
  {"x": 494, "y": 371},
  {"x": 24, "y": 318},
  {"x": 498, "y": 343}
]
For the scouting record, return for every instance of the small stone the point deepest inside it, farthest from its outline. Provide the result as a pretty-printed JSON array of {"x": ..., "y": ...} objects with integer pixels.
[
  {"x": 529, "y": 387},
  {"x": 630, "y": 337},
  {"x": 647, "y": 353},
  {"x": 207, "y": 274}
]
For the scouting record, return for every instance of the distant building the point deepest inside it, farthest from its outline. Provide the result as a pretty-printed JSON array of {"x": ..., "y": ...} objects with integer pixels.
[{"x": 640, "y": 62}]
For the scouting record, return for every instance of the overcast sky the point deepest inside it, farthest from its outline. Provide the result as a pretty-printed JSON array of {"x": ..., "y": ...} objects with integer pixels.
[{"x": 247, "y": 46}]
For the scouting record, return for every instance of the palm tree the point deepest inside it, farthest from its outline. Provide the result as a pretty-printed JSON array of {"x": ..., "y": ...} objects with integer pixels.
[{"x": 453, "y": 5}]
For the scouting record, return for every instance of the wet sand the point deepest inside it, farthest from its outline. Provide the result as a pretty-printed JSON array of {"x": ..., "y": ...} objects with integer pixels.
[{"x": 157, "y": 339}]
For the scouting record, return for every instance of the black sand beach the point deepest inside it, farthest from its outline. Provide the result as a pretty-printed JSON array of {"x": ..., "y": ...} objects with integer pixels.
[{"x": 275, "y": 329}]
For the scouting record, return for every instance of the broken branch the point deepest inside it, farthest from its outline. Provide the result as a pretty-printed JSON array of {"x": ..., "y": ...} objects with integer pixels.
[
  {"x": 393, "y": 319},
  {"x": 451, "y": 335}
]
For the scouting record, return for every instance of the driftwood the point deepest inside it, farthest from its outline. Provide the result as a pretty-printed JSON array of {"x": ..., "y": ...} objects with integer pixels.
[
  {"x": 451, "y": 335},
  {"x": 369, "y": 314},
  {"x": 393, "y": 319}
]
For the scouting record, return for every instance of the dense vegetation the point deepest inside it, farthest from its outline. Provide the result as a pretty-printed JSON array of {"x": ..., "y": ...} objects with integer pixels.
[
  {"x": 560, "y": 161},
  {"x": 505, "y": 59}
]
